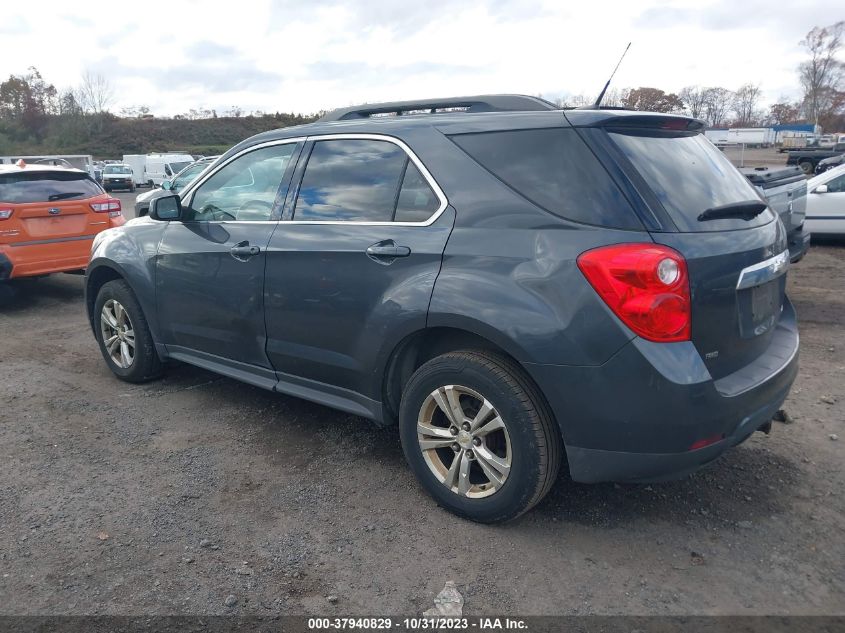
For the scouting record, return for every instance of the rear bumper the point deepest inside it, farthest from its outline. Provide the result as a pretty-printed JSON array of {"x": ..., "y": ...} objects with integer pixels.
[{"x": 636, "y": 417}]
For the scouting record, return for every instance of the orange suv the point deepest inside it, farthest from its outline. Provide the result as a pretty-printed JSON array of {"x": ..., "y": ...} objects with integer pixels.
[{"x": 49, "y": 217}]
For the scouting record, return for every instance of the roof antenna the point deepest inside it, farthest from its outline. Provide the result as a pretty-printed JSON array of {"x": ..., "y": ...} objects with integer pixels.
[{"x": 597, "y": 104}]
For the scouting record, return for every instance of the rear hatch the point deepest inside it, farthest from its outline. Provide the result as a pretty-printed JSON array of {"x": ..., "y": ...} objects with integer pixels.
[
  {"x": 785, "y": 189},
  {"x": 730, "y": 238},
  {"x": 43, "y": 206}
]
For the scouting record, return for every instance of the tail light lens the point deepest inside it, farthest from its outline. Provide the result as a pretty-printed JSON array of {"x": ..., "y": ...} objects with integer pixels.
[
  {"x": 645, "y": 285},
  {"x": 110, "y": 206},
  {"x": 5, "y": 214}
]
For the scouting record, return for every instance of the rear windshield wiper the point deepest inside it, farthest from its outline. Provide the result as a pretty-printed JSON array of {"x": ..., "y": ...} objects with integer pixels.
[
  {"x": 741, "y": 210},
  {"x": 65, "y": 196}
]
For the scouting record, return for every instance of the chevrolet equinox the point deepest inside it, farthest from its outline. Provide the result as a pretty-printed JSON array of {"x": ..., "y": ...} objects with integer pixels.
[{"x": 514, "y": 285}]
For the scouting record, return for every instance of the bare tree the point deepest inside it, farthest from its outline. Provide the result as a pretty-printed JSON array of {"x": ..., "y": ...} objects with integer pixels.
[
  {"x": 652, "y": 100},
  {"x": 694, "y": 99},
  {"x": 717, "y": 105},
  {"x": 821, "y": 75},
  {"x": 95, "y": 94},
  {"x": 745, "y": 102}
]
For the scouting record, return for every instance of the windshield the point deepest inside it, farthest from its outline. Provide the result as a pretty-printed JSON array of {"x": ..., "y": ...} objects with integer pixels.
[
  {"x": 187, "y": 176},
  {"x": 117, "y": 169},
  {"x": 689, "y": 175},
  {"x": 46, "y": 186},
  {"x": 177, "y": 167}
]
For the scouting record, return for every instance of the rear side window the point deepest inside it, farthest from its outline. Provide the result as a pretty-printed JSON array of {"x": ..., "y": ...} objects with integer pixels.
[
  {"x": 689, "y": 175},
  {"x": 360, "y": 180},
  {"x": 555, "y": 170},
  {"x": 46, "y": 186}
]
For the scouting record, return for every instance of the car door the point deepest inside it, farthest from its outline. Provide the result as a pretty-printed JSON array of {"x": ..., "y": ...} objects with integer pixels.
[
  {"x": 210, "y": 264},
  {"x": 826, "y": 210},
  {"x": 351, "y": 268}
]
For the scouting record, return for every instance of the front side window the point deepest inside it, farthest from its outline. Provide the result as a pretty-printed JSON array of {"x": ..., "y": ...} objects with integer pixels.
[
  {"x": 244, "y": 190},
  {"x": 362, "y": 180},
  {"x": 837, "y": 185}
]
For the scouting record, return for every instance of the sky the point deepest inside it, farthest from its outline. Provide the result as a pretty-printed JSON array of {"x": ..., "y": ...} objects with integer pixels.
[{"x": 320, "y": 54}]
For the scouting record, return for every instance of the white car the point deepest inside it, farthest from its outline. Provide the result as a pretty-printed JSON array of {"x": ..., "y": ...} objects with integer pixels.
[{"x": 826, "y": 202}]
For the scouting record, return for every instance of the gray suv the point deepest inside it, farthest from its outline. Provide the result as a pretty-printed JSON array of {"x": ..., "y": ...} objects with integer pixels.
[{"x": 514, "y": 285}]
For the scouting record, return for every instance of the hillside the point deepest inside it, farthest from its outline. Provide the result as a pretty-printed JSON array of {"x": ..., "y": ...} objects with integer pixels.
[{"x": 108, "y": 136}]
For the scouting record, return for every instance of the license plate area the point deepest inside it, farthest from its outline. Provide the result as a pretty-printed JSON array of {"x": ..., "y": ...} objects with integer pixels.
[{"x": 760, "y": 307}]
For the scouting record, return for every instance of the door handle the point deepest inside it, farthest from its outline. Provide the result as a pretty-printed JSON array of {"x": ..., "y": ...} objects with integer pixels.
[
  {"x": 244, "y": 251},
  {"x": 387, "y": 250}
]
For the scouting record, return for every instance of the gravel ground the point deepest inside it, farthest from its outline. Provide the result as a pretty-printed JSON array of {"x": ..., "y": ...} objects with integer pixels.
[{"x": 196, "y": 494}]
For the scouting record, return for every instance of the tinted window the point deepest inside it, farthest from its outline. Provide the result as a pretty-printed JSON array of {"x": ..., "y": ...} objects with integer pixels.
[
  {"x": 245, "y": 189},
  {"x": 48, "y": 186},
  {"x": 689, "y": 175},
  {"x": 117, "y": 169},
  {"x": 350, "y": 180},
  {"x": 417, "y": 201},
  {"x": 555, "y": 170}
]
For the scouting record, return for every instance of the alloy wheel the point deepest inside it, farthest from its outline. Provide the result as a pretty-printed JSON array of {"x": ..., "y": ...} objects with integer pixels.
[
  {"x": 118, "y": 334},
  {"x": 464, "y": 441}
]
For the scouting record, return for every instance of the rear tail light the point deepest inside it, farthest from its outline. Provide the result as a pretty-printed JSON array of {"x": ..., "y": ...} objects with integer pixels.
[
  {"x": 110, "y": 206},
  {"x": 645, "y": 285},
  {"x": 5, "y": 214}
]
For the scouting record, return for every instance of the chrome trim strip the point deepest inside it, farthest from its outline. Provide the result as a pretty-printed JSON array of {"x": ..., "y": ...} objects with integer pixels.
[
  {"x": 444, "y": 202},
  {"x": 764, "y": 271},
  {"x": 78, "y": 238}
]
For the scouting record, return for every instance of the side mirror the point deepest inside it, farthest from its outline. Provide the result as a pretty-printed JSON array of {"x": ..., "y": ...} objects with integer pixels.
[
  {"x": 820, "y": 189},
  {"x": 166, "y": 208},
  {"x": 166, "y": 185}
]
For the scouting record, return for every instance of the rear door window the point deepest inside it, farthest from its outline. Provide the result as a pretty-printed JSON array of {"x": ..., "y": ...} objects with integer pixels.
[
  {"x": 46, "y": 186},
  {"x": 554, "y": 169},
  {"x": 689, "y": 175},
  {"x": 351, "y": 180}
]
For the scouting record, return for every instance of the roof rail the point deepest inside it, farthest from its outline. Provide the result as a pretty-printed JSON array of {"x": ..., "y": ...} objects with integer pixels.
[{"x": 479, "y": 103}]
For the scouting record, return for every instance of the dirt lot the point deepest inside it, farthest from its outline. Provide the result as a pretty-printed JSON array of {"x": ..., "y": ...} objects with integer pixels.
[{"x": 171, "y": 496}]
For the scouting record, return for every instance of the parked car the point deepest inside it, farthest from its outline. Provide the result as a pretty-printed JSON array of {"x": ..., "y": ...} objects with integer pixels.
[
  {"x": 826, "y": 202},
  {"x": 808, "y": 159},
  {"x": 830, "y": 163},
  {"x": 785, "y": 190},
  {"x": 505, "y": 282},
  {"x": 161, "y": 167},
  {"x": 118, "y": 177},
  {"x": 169, "y": 187},
  {"x": 49, "y": 217}
]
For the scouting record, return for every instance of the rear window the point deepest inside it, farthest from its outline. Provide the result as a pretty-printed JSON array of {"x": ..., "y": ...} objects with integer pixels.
[
  {"x": 46, "y": 186},
  {"x": 689, "y": 175},
  {"x": 554, "y": 169}
]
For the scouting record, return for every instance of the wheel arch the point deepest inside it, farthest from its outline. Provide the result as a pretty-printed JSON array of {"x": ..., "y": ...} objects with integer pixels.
[
  {"x": 96, "y": 277},
  {"x": 427, "y": 343}
]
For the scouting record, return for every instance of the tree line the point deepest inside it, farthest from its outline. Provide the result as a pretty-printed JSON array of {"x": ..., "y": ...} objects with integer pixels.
[{"x": 35, "y": 116}]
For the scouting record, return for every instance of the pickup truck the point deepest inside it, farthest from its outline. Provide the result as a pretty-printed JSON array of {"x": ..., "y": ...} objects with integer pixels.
[
  {"x": 785, "y": 190},
  {"x": 807, "y": 159}
]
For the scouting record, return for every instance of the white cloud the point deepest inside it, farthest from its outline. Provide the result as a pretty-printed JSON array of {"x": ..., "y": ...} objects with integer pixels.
[{"x": 307, "y": 56}]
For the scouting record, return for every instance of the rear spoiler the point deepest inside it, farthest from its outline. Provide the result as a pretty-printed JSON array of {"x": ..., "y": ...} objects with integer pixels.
[{"x": 667, "y": 123}]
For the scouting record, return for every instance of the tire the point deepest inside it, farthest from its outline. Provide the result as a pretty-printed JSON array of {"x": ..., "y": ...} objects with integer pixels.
[
  {"x": 132, "y": 189},
  {"x": 529, "y": 440},
  {"x": 150, "y": 184},
  {"x": 807, "y": 167},
  {"x": 145, "y": 364}
]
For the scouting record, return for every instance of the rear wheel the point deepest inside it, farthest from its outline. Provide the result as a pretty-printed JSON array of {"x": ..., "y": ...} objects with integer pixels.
[
  {"x": 123, "y": 334},
  {"x": 479, "y": 436},
  {"x": 806, "y": 166}
]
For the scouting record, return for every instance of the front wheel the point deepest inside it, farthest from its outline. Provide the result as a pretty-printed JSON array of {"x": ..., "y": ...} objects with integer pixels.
[
  {"x": 123, "y": 334},
  {"x": 807, "y": 167},
  {"x": 479, "y": 436}
]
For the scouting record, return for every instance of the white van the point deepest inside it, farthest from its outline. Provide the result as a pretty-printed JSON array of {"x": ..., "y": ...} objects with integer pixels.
[
  {"x": 161, "y": 167},
  {"x": 138, "y": 163}
]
